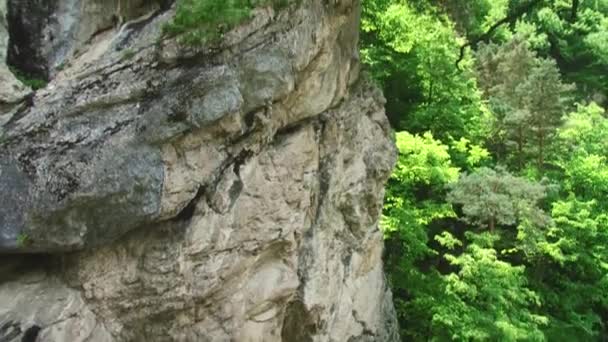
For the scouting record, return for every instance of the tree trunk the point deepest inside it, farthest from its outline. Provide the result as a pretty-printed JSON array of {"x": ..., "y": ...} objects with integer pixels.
[
  {"x": 541, "y": 150},
  {"x": 574, "y": 10},
  {"x": 520, "y": 148}
]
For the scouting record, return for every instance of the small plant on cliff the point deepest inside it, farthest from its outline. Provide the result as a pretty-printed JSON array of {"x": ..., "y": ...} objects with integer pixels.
[
  {"x": 27, "y": 79},
  {"x": 23, "y": 240},
  {"x": 128, "y": 54},
  {"x": 199, "y": 21}
]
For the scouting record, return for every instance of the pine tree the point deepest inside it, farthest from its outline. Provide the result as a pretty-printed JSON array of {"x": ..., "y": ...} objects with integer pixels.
[{"x": 495, "y": 197}]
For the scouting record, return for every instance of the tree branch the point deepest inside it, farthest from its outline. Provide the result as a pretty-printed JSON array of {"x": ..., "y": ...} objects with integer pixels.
[{"x": 509, "y": 19}]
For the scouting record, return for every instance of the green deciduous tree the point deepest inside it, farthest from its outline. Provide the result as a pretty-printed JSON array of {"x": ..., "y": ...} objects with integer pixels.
[
  {"x": 419, "y": 179},
  {"x": 486, "y": 299},
  {"x": 571, "y": 275},
  {"x": 495, "y": 255},
  {"x": 411, "y": 51},
  {"x": 579, "y": 153}
]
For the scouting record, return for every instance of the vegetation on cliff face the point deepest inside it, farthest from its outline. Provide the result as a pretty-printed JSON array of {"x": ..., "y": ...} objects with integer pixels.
[
  {"x": 199, "y": 21},
  {"x": 495, "y": 216}
]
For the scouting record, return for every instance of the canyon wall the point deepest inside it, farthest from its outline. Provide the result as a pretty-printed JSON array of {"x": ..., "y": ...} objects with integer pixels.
[{"x": 159, "y": 192}]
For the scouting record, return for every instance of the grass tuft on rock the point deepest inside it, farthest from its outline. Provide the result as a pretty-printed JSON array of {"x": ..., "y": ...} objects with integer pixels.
[{"x": 200, "y": 21}]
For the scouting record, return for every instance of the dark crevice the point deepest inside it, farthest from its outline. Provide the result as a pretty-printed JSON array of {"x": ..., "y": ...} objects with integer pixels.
[
  {"x": 249, "y": 118},
  {"x": 291, "y": 129},
  {"x": 324, "y": 177},
  {"x": 9, "y": 331},
  {"x": 299, "y": 324},
  {"x": 186, "y": 214},
  {"x": 235, "y": 191},
  {"x": 26, "y": 23},
  {"x": 31, "y": 334},
  {"x": 240, "y": 160}
]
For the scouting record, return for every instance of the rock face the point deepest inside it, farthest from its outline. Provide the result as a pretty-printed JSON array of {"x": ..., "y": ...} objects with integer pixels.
[
  {"x": 12, "y": 92},
  {"x": 170, "y": 193}
]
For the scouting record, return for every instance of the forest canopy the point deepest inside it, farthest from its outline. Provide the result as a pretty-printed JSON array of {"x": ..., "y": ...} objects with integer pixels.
[{"x": 495, "y": 216}]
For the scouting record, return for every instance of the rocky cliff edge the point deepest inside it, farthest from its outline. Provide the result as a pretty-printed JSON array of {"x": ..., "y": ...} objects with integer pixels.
[{"x": 154, "y": 191}]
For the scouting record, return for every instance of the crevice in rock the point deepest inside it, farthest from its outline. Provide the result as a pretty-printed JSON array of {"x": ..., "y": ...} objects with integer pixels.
[
  {"x": 9, "y": 330},
  {"x": 240, "y": 160},
  {"x": 228, "y": 183},
  {"x": 26, "y": 23},
  {"x": 186, "y": 214},
  {"x": 31, "y": 334},
  {"x": 324, "y": 183},
  {"x": 298, "y": 324},
  {"x": 235, "y": 191},
  {"x": 293, "y": 128}
]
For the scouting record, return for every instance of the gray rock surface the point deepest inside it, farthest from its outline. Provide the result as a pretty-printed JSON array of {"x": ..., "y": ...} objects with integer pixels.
[
  {"x": 12, "y": 92},
  {"x": 227, "y": 193}
]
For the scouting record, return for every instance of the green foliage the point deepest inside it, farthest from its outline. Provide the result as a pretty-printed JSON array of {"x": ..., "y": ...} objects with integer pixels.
[
  {"x": 29, "y": 80},
  {"x": 584, "y": 130},
  {"x": 412, "y": 53},
  {"x": 128, "y": 54},
  {"x": 495, "y": 197},
  {"x": 580, "y": 153},
  {"x": 200, "y": 21},
  {"x": 487, "y": 299},
  {"x": 467, "y": 155},
  {"x": 571, "y": 275},
  {"x": 578, "y": 43},
  {"x": 524, "y": 125},
  {"x": 474, "y": 17},
  {"x": 23, "y": 240},
  {"x": 423, "y": 160},
  {"x": 477, "y": 247},
  {"x": 484, "y": 297},
  {"x": 422, "y": 172}
]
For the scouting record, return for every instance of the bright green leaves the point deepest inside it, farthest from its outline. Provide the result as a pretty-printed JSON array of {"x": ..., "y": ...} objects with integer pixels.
[
  {"x": 487, "y": 299},
  {"x": 580, "y": 153},
  {"x": 468, "y": 155},
  {"x": 573, "y": 273},
  {"x": 423, "y": 160},
  {"x": 587, "y": 175},
  {"x": 397, "y": 27},
  {"x": 597, "y": 41},
  {"x": 584, "y": 130},
  {"x": 412, "y": 53},
  {"x": 478, "y": 247},
  {"x": 423, "y": 169},
  {"x": 578, "y": 40},
  {"x": 198, "y": 21},
  {"x": 577, "y": 228},
  {"x": 479, "y": 296},
  {"x": 550, "y": 21}
]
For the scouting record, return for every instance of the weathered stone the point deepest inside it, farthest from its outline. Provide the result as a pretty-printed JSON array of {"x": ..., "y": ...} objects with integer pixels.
[
  {"x": 15, "y": 188},
  {"x": 47, "y": 34},
  {"x": 224, "y": 193},
  {"x": 12, "y": 92}
]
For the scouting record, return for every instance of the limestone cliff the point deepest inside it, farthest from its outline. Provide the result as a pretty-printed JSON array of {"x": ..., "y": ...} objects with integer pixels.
[{"x": 157, "y": 192}]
